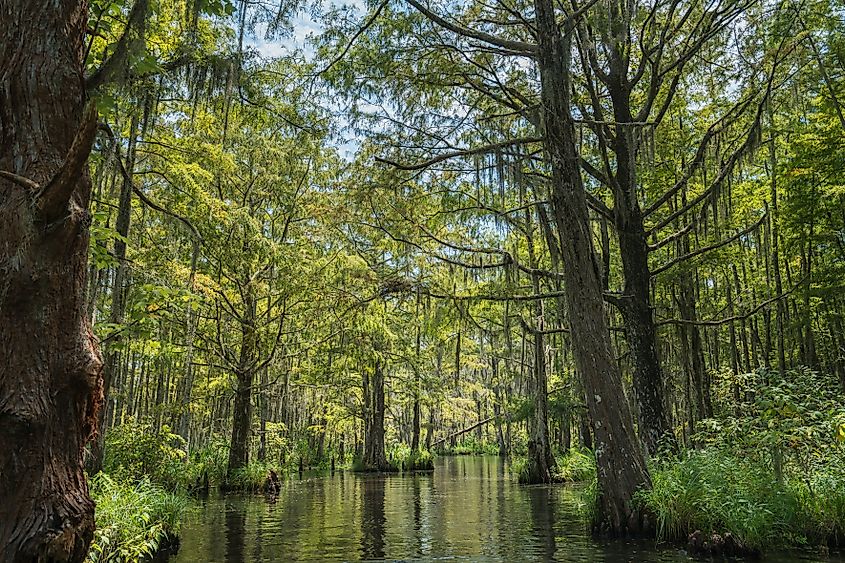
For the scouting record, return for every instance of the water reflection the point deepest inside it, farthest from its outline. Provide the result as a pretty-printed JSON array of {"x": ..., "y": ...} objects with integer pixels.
[
  {"x": 542, "y": 519},
  {"x": 469, "y": 509},
  {"x": 372, "y": 517},
  {"x": 235, "y": 532}
]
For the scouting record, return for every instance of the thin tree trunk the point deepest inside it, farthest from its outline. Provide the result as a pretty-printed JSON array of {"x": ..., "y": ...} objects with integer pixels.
[{"x": 242, "y": 412}]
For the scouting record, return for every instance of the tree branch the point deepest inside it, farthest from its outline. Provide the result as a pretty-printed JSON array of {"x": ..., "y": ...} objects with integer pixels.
[
  {"x": 458, "y": 153},
  {"x": 518, "y": 47},
  {"x": 708, "y": 248}
]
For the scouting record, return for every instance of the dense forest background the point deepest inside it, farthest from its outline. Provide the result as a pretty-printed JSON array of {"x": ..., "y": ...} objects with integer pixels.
[{"x": 370, "y": 244}]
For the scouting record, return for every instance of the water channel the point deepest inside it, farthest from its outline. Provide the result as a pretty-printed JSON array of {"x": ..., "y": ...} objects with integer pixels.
[{"x": 468, "y": 509}]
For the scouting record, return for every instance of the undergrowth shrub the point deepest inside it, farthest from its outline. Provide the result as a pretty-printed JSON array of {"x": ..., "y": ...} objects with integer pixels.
[
  {"x": 133, "y": 520},
  {"x": 136, "y": 450},
  {"x": 576, "y": 466}
]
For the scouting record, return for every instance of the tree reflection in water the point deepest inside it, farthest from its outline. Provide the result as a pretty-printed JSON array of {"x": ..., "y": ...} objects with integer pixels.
[
  {"x": 235, "y": 531},
  {"x": 542, "y": 519},
  {"x": 372, "y": 516}
]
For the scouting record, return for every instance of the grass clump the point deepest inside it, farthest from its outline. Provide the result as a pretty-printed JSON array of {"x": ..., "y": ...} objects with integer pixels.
[
  {"x": 576, "y": 466},
  {"x": 250, "y": 478},
  {"x": 133, "y": 520},
  {"x": 711, "y": 491},
  {"x": 403, "y": 458}
]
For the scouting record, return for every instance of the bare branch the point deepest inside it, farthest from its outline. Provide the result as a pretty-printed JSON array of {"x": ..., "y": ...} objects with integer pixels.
[
  {"x": 518, "y": 47},
  {"x": 458, "y": 153},
  {"x": 707, "y": 248}
]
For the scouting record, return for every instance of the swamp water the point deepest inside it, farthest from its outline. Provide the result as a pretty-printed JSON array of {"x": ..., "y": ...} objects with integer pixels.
[{"x": 468, "y": 509}]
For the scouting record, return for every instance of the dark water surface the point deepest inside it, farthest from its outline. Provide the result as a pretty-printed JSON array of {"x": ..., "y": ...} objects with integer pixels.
[{"x": 469, "y": 509}]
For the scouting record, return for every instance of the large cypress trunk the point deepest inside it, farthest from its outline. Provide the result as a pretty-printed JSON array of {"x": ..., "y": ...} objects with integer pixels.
[
  {"x": 620, "y": 465},
  {"x": 50, "y": 373},
  {"x": 375, "y": 458}
]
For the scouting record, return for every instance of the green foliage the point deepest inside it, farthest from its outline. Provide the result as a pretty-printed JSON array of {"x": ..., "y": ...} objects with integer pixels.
[
  {"x": 133, "y": 520},
  {"x": 398, "y": 455},
  {"x": 208, "y": 464},
  {"x": 576, "y": 466},
  {"x": 422, "y": 460},
  {"x": 770, "y": 468},
  {"x": 403, "y": 458},
  {"x": 136, "y": 450},
  {"x": 251, "y": 477},
  {"x": 710, "y": 491},
  {"x": 795, "y": 422}
]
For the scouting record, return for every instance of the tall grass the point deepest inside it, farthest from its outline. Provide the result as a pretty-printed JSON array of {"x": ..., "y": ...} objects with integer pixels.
[
  {"x": 714, "y": 491},
  {"x": 133, "y": 520}
]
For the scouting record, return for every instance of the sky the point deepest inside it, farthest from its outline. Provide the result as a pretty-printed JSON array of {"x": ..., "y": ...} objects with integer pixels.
[{"x": 304, "y": 27}]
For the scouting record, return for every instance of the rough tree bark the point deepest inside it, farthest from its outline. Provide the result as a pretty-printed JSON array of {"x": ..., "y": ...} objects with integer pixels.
[
  {"x": 375, "y": 458},
  {"x": 50, "y": 374},
  {"x": 245, "y": 374},
  {"x": 620, "y": 465}
]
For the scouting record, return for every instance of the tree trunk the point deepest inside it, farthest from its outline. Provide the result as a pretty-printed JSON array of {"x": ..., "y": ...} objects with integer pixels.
[
  {"x": 541, "y": 462},
  {"x": 620, "y": 465},
  {"x": 635, "y": 304},
  {"x": 375, "y": 458},
  {"x": 118, "y": 295},
  {"x": 774, "y": 235},
  {"x": 415, "y": 433},
  {"x": 50, "y": 376},
  {"x": 241, "y": 424},
  {"x": 263, "y": 413},
  {"x": 641, "y": 335},
  {"x": 415, "y": 430},
  {"x": 242, "y": 413}
]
